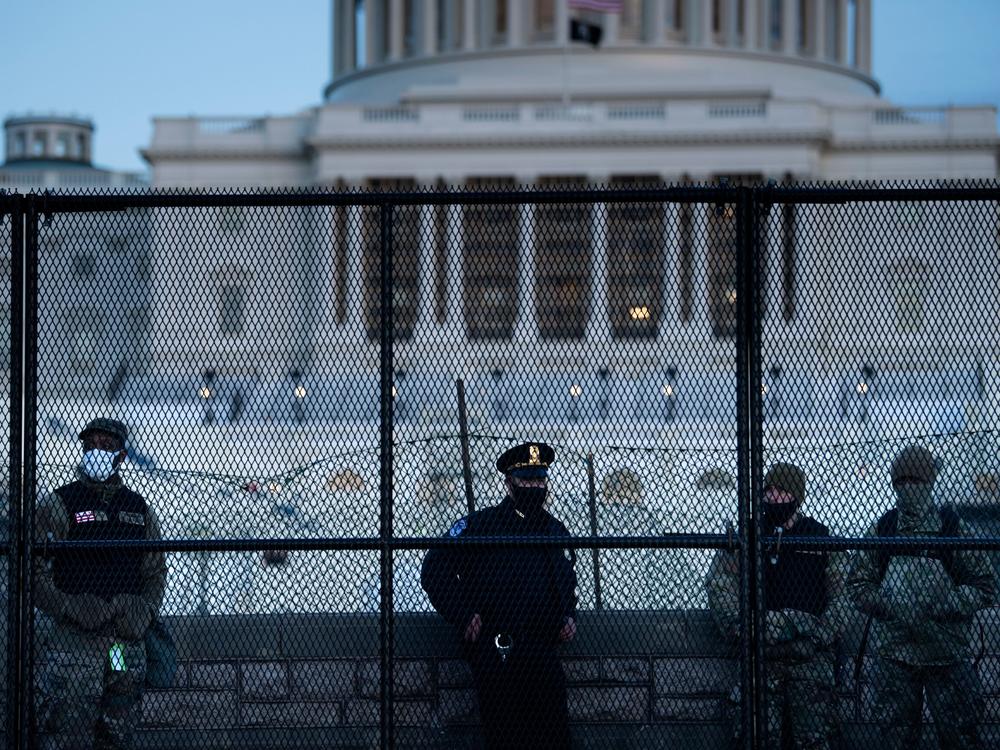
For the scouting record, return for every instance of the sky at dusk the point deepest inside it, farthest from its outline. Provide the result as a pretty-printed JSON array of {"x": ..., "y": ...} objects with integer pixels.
[{"x": 122, "y": 62}]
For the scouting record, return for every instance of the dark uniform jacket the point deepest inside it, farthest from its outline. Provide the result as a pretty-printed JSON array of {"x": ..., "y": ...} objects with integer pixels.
[{"x": 523, "y": 592}]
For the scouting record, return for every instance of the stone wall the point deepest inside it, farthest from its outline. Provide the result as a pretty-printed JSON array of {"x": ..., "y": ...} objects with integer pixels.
[{"x": 636, "y": 680}]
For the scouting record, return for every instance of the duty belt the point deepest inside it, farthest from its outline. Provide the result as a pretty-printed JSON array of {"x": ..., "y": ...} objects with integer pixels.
[{"x": 504, "y": 643}]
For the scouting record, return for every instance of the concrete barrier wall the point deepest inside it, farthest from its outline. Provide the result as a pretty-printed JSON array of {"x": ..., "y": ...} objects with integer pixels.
[{"x": 636, "y": 679}]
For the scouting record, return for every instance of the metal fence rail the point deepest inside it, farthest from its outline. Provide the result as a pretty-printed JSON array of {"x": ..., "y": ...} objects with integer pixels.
[{"x": 317, "y": 385}]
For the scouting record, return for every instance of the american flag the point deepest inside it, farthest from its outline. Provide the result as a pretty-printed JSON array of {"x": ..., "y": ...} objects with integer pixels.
[
  {"x": 85, "y": 516},
  {"x": 601, "y": 6}
]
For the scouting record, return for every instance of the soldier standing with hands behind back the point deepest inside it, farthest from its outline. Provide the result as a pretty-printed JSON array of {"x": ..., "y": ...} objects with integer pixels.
[
  {"x": 512, "y": 607},
  {"x": 92, "y": 669},
  {"x": 923, "y": 603}
]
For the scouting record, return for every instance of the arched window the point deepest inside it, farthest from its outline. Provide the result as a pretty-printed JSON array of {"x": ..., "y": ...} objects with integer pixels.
[{"x": 910, "y": 280}]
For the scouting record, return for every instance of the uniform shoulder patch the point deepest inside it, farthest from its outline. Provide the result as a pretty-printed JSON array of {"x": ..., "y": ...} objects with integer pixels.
[{"x": 458, "y": 528}]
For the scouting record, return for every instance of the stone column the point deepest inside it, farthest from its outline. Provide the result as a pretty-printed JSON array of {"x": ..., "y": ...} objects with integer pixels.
[
  {"x": 371, "y": 32},
  {"x": 526, "y": 326},
  {"x": 699, "y": 230},
  {"x": 429, "y": 39},
  {"x": 818, "y": 10},
  {"x": 750, "y": 24},
  {"x": 396, "y": 28},
  {"x": 469, "y": 22},
  {"x": 863, "y": 36},
  {"x": 693, "y": 10},
  {"x": 730, "y": 25},
  {"x": 562, "y": 23},
  {"x": 599, "y": 322},
  {"x": 610, "y": 23},
  {"x": 670, "y": 307},
  {"x": 773, "y": 248},
  {"x": 705, "y": 24},
  {"x": 842, "y": 32},
  {"x": 344, "y": 42},
  {"x": 354, "y": 325},
  {"x": 425, "y": 271},
  {"x": 517, "y": 13},
  {"x": 765, "y": 25},
  {"x": 790, "y": 27},
  {"x": 658, "y": 19},
  {"x": 453, "y": 266}
]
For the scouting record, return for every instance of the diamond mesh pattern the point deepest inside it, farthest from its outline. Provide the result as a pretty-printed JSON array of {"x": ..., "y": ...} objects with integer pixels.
[{"x": 252, "y": 344}]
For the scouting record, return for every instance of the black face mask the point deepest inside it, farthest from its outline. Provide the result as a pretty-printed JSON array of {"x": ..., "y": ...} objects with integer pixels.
[
  {"x": 777, "y": 514},
  {"x": 529, "y": 500}
]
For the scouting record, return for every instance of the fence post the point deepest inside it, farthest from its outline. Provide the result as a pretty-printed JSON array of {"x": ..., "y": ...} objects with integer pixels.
[
  {"x": 749, "y": 467},
  {"x": 595, "y": 554},
  {"x": 15, "y": 529},
  {"x": 386, "y": 338},
  {"x": 463, "y": 432}
]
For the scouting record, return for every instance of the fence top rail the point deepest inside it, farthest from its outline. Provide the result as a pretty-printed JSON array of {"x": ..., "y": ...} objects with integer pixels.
[
  {"x": 804, "y": 193},
  {"x": 95, "y": 202}
]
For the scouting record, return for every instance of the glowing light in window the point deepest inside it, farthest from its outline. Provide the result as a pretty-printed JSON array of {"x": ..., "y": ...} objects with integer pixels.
[{"x": 639, "y": 312}]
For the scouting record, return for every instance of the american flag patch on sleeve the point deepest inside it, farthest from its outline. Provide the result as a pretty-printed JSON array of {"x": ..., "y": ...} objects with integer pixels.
[{"x": 85, "y": 516}]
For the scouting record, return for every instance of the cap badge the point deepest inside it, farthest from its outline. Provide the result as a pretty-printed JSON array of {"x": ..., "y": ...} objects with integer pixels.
[{"x": 533, "y": 454}]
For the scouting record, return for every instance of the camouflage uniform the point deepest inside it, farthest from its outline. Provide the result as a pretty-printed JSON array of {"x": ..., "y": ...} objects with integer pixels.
[
  {"x": 81, "y": 699},
  {"x": 923, "y": 615},
  {"x": 798, "y": 644}
]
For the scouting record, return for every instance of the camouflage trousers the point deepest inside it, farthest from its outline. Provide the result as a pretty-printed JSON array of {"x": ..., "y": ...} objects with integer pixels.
[
  {"x": 801, "y": 709},
  {"x": 954, "y": 699},
  {"x": 81, "y": 701}
]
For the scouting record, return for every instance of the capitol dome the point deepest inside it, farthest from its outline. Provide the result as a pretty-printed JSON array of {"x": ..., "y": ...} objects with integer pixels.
[{"x": 412, "y": 51}]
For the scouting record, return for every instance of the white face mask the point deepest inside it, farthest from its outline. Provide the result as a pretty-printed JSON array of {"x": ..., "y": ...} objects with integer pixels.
[{"x": 98, "y": 464}]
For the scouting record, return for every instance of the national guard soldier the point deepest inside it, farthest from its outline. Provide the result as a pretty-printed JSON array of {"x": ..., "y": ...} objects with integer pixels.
[
  {"x": 92, "y": 669},
  {"x": 804, "y": 602},
  {"x": 923, "y": 603},
  {"x": 512, "y": 607}
]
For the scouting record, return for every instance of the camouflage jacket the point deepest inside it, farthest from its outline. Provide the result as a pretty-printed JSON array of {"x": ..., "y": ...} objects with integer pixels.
[
  {"x": 790, "y": 635},
  {"x": 923, "y": 612}
]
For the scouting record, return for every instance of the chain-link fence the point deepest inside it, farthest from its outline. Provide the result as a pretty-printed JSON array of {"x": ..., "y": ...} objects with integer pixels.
[{"x": 317, "y": 387}]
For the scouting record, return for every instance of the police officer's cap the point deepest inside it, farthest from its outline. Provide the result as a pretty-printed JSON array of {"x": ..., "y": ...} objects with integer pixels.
[
  {"x": 105, "y": 424},
  {"x": 527, "y": 460}
]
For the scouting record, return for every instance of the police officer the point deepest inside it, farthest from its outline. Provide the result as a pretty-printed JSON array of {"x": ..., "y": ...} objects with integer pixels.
[
  {"x": 805, "y": 603},
  {"x": 92, "y": 670},
  {"x": 923, "y": 604},
  {"x": 512, "y": 607}
]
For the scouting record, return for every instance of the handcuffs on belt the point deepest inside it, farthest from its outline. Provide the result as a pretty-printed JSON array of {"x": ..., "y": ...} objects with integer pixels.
[{"x": 503, "y": 642}]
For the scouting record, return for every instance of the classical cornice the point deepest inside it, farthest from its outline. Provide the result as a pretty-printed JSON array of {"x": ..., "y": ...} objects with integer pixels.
[
  {"x": 548, "y": 140},
  {"x": 200, "y": 153}
]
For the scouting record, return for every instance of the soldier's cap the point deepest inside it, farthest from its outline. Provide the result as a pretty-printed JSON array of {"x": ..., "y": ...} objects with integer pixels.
[
  {"x": 105, "y": 424},
  {"x": 914, "y": 464},
  {"x": 527, "y": 460},
  {"x": 787, "y": 477}
]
